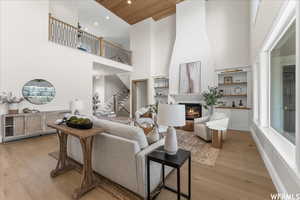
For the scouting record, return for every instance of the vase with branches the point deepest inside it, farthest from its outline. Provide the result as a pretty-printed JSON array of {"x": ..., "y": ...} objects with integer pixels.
[{"x": 211, "y": 98}]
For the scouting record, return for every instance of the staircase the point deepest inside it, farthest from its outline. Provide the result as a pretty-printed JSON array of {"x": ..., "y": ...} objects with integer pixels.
[{"x": 117, "y": 103}]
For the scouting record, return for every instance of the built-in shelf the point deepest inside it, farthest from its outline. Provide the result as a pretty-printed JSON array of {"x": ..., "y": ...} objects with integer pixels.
[
  {"x": 237, "y": 83},
  {"x": 232, "y": 72},
  {"x": 161, "y": 96},
  {"x": 235, "y": 95},
  {"x": 161, "y": 87},
  {"x": 237, "y": 108}
]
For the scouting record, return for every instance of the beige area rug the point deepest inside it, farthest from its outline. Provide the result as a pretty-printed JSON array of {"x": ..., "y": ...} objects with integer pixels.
[{"x": 202, "y": 152}]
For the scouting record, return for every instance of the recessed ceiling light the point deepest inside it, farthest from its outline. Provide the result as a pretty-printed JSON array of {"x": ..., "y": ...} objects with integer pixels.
[
  {"x": 107, "y": 17},
  {"x": 129, "y": 2},
  {"x": 96, "y": 24}
]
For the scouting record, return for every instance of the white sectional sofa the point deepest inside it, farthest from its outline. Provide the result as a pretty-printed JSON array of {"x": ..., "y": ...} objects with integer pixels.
[{"x": 119, "y": 154}]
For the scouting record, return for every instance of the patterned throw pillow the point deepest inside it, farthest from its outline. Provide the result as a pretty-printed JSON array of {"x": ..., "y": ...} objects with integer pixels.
[{"x": 153, "y": 136}]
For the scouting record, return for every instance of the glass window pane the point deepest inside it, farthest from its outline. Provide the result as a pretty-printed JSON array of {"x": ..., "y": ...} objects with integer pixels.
[{"x": 283, "y": 80}]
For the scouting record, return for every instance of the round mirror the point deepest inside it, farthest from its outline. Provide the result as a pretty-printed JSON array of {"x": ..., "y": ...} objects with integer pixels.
[{"x": 38, "y": 91}]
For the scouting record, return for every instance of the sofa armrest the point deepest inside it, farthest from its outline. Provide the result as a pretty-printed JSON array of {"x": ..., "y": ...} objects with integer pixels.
[{"x": 155, "y": 169}]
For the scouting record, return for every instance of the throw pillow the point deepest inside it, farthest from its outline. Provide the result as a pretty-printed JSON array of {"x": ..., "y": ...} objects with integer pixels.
[
  {"x": 147, "y": 115},
  {"x": 153, "y": 136}
]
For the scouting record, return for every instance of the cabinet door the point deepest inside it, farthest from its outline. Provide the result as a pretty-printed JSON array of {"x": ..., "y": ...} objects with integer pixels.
[
  {"x": 240, "y": 120},
  {"x": 19, "y": 126},
  {"x": 52, "y": 117},
  {"x": 34, "y": 124}
]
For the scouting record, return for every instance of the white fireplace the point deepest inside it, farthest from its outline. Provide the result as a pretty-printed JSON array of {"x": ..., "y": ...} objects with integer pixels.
[{"x": 191, "y": 45}]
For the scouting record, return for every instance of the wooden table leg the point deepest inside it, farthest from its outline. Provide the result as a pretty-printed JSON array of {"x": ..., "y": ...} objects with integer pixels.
[
  {"x": 88, "y": 182},
  {"x": 62, "y": 164},
  {"x": 216, "y": 139}
]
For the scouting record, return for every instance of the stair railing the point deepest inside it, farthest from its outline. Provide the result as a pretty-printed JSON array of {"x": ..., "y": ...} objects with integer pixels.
[{"x": 65, "y": 34}]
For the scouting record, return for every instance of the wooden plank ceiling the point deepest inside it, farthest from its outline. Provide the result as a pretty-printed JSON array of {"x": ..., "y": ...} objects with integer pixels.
[{"x": 139, "y": 10}]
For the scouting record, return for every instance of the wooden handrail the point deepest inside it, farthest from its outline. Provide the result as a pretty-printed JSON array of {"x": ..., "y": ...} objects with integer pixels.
[
  {"x": 69, "y": 35},
  {"x": 74, "y": 27},
  {"x": 117, "y": 46}
]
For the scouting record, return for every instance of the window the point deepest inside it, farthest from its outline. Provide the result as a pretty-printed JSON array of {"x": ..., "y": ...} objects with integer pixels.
[{"x": 283, "y": 85}]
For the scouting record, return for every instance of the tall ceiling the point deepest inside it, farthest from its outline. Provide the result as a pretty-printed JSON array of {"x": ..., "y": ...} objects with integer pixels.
[{"x": 139, "y": 10}]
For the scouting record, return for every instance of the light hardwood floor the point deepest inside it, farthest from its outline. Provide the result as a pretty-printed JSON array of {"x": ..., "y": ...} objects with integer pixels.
[{"x": 239, "y": 173}]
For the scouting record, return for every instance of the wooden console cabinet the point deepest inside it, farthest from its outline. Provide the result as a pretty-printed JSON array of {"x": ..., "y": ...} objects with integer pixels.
[{"x": 18, "y": 126}]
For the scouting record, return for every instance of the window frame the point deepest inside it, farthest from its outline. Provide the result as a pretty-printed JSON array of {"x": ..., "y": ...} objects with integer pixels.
[
  {"x": 292, "y": 20},
  {"x": 289, "y": 152}
]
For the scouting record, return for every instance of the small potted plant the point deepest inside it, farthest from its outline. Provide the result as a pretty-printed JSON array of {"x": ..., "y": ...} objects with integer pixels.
[
  {"x": 13, "y": 103},
  {"x": 211, "y": 99}
]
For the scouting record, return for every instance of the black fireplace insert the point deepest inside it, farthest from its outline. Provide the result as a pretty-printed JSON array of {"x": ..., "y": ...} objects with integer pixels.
[{"x": 192, "y": 110}]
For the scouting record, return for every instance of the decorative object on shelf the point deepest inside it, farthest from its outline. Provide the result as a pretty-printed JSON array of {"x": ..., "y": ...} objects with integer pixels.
[
  {"x": 233, "y": 104},
  {"x": 13, "y": 103},
  {"x": 241, "y": 103},
  {"x": 190, "y": 78},
  {"x": 171, "y": 115},
  {"x": 38, "y": 91},
  {"x": 76, "y": 106},
  {"x": 79, "y": 122},
  {"x": 211, "y": 99},
  {"x": 227, "y": 79},
  {"x": 221, "y": 92},
  {"x": 237, "y": 90},
  {"x": 28, "y": 110}
]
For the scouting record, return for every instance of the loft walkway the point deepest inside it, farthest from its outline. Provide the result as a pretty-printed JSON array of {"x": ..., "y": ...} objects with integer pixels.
[{"x": 71, "y": 36}]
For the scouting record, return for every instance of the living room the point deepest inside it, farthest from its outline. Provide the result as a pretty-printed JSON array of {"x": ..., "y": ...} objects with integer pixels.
[{"x": 132, "y": 99}]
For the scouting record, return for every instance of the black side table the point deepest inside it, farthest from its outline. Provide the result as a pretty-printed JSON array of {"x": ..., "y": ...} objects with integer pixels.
[{"x": 176, "y": 161}]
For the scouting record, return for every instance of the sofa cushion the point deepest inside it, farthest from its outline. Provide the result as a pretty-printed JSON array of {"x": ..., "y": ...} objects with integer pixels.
[{"x": 123, "y": 130}]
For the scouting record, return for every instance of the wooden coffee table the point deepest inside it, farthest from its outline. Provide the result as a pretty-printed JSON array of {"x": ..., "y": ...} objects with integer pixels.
[{"x": 86, "y": 137}]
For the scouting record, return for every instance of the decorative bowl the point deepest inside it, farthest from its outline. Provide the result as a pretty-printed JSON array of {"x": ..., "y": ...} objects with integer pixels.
[{"x": 79, "y": 126}]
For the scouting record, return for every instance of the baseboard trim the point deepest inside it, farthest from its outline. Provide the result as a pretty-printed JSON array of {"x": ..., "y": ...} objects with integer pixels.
[{"x": 274, "y": 175}]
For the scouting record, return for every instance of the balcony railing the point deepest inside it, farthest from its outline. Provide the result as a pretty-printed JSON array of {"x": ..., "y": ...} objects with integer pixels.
[{"x": 71, "y": 36}]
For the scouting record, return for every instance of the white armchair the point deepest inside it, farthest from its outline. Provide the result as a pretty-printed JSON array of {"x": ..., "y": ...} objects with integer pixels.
[{"x": 201, "y": 125}]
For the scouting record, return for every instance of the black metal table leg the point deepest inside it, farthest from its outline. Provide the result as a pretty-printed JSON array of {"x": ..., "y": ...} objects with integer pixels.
[
  {"x": 163, "y": 174},
  {"x": 178, "y": 184},
  {"x": 190, "y": 171},
  {"x": 176, "y": 162},
  {"x": 148, "y": 178}
]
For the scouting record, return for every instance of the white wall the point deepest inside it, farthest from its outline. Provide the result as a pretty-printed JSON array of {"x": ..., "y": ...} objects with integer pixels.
[
  {"x": 164, "y": 38},
  {"x": 65, "y": 10},
  {"x": 28, "y": 55},
  {"x": 229, "y": 32},
  {"x": 141, "y": 43},
  {"x": 267, "y": 13}
]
